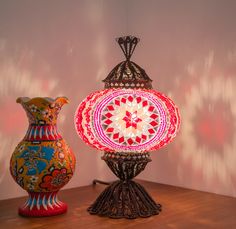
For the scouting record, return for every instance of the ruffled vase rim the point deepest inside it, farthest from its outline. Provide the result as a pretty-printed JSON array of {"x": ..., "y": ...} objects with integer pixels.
[{"x": 48, "y": 99}]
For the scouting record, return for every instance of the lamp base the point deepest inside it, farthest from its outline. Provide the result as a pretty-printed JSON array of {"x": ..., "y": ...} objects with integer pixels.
[{"x": 125, "y": 198}]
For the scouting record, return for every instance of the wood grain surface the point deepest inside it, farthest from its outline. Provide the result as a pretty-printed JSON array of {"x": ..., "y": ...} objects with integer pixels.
[{"x": 182, "y": 209}]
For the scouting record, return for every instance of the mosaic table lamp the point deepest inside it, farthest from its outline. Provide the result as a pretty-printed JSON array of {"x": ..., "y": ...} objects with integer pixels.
[{"x": 126, "y": 120}]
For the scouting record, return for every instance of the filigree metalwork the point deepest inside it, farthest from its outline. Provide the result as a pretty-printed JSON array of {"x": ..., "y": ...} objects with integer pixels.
[
  {"x": 125, "y": 198},
  {"x": 128, "y": 74}
]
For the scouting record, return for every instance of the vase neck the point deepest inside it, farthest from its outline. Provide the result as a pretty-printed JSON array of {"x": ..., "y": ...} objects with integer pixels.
[
  {"x": 42, "y": 110},
  {"x": 38, "y": 133}
]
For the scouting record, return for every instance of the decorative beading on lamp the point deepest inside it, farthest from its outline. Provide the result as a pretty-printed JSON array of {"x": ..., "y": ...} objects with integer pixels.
[{"x": 127, "y": 120}]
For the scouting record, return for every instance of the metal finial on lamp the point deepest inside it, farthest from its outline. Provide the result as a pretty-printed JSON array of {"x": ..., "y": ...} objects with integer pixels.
[{"x": 128, "y": 74}]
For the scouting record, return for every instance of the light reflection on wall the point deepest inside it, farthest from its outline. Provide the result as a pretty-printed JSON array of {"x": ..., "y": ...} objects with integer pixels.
[
  {"x": 16, "y": 80},
  {"x": 69, "y": 49},
  {"x": 209, "y": 119},
  {"x": 188, "y": 48},
  {"x": 58, "y": 49}
]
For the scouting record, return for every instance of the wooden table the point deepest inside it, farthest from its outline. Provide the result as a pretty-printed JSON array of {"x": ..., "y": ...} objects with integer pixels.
[{"x": 182, "y": 208}]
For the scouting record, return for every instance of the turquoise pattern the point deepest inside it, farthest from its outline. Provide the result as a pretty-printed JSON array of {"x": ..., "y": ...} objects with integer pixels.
[{"x": 37, "y": 158}]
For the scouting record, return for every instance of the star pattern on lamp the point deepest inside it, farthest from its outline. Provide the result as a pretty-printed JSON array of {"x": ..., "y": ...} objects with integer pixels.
[{"x": 130, "y": 120}]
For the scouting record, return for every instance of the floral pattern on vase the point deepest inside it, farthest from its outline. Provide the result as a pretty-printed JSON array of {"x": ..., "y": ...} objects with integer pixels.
[{"x": 42, "y": 163}]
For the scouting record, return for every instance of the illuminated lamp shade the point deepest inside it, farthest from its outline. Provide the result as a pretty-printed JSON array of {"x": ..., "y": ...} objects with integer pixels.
[{"x": 127, "y": 120}]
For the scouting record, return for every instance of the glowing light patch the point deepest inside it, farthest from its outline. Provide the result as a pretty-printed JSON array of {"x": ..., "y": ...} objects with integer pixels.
[
  {"x": 208, "y": 136},
  {"x": 15, "y": 81}
]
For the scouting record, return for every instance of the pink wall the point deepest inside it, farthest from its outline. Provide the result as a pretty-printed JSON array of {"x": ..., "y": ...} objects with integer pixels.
[
  {"x": 52, "y": 48},
  {"x": 189, "y": 49}
]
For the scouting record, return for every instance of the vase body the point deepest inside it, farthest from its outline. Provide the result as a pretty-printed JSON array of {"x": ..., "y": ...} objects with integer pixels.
[{"x": 42, "y": 162}]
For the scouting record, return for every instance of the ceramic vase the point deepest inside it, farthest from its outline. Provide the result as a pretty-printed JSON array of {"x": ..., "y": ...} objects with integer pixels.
[{"x": 42, "y": 162}]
